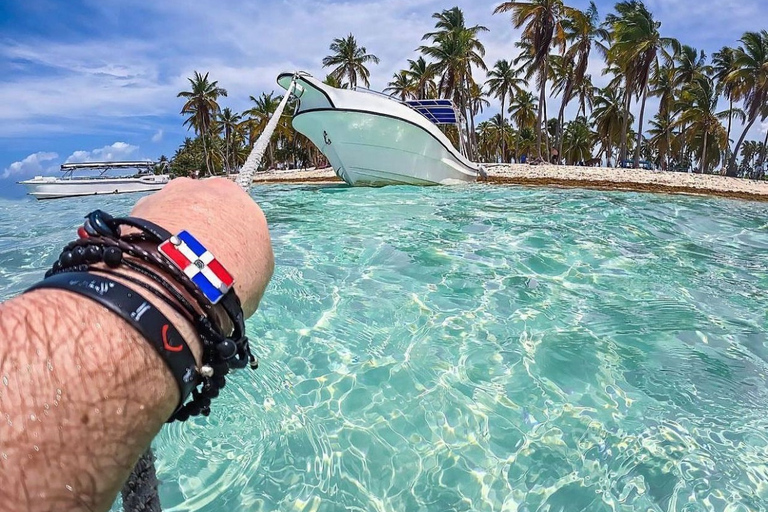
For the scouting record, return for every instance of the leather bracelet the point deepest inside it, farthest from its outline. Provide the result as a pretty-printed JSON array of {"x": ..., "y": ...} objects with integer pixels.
[
  {"x": 175, "y": 264},
  {"x": 143, "y": 316},
  {"x": 101, "y": 224}
]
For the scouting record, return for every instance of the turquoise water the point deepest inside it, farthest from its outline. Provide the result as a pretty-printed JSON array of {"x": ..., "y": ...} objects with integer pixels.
[{"x": 479, "y": 348}]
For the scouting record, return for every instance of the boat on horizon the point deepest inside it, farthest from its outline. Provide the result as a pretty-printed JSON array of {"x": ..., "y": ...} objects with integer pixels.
[
  {"x": 371, "y": 139},
  {"x": 70, "y": 185}
]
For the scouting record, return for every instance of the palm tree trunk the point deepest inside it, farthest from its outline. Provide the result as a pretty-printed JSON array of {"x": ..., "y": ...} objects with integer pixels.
[
  {"x": 226, "y": 152},
  {"x": 560, "y": 121},
  {"x": 472, "y": 134},
  {"x": 728, "y": 134},
  {"x": 764, "y": 150},
  {"x": 542, "y": 103},
  {"x": 517, "y": 145},
  {"x": 609, "y": 152},
  {"x": 640, "y": 126},
  {"x": 547, "y": 139},
  {"x": 503, "y": 141},
  {"x": 625, "y": 122},
  {"x": 205, "y": 155},
  {"x": 703, "y": 159},
  {"x": 465, "y": 112},
  {"x": 683, "y": 147},
  {"x": 731, "y": 171}
]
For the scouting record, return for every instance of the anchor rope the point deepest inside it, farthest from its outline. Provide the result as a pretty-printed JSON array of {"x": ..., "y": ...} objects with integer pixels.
[{"x": 252, "y": 163}]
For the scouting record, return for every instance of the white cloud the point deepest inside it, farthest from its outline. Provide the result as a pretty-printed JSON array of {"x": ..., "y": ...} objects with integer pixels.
[
  {"x": 31, "y": 165},
  {"x": 158, "y": 136},
  {"x": 123, "y": 77},
  {"x": 113, "y": 152},
  {"x": 764, "y": 127}
]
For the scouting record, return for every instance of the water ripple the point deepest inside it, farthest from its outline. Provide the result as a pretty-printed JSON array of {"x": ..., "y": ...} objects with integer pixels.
[{"x": 479, "y": 348}]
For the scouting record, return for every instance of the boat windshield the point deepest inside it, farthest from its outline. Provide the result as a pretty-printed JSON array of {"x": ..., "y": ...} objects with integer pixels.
[
  {"x": 96, "y": 170},
  {"x": 440, "y": 111}
]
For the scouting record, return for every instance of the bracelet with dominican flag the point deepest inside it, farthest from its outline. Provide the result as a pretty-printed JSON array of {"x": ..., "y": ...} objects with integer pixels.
[
  {"x": 197, "y": 262},
  {"x": 182, "y": 267}
]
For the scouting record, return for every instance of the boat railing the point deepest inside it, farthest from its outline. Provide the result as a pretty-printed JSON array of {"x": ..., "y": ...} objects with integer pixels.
[
  {"x": 143, "y": 168},
  {"x": 359, "y": 88}
]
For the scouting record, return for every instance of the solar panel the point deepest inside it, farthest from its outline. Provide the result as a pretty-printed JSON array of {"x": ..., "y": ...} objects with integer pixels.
[{"x": 437, "y": 111}]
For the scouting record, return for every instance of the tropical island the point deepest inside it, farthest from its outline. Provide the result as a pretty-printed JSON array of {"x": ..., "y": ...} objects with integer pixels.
[{"x": 545, "y": 79}]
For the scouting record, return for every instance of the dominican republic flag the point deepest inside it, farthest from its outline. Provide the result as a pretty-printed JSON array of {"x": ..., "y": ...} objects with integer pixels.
[{"x": 198, "y": 264}]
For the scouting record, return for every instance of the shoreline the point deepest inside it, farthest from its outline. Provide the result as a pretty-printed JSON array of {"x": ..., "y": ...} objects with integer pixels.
[{"x": 598, "y": 178}]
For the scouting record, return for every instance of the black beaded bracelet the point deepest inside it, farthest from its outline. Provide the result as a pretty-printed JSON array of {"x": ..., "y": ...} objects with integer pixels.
[{"x": 101, "y": 249}]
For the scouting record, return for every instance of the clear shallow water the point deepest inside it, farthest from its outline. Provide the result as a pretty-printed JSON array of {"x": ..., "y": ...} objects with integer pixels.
[{"x": 479, "y": 348}]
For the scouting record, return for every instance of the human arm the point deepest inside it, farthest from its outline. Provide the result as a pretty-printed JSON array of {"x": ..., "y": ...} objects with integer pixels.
[{"x": 82, "y": 394}]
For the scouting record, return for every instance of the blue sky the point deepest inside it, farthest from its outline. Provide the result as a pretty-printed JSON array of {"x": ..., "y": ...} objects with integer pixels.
[{"x": 97, "y": 79}]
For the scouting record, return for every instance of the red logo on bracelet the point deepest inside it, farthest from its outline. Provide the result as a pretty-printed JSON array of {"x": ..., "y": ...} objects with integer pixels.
[{"x": 168, "y": 346}]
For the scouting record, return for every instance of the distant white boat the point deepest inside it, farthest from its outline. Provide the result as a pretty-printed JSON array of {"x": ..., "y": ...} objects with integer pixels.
[
  {"x": 372, "y": 139},
  {"x": 70, "y": 185}
]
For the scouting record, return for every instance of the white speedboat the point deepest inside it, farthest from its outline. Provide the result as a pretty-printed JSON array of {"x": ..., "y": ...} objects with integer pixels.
[
  {"x": 372, "y": 139},
  {"x": 70, "y": 185}
]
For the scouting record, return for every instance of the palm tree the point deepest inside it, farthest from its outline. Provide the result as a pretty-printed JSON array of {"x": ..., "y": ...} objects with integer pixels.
[
  {"x": 477, "y": 99},
  {"x": 583, "y": 29},
  {"x": 456, "y": 49},
  {"x": 636, "y": 45},
  {"x": 422, "y": 74},
  {"x": 503, "y": 82},
  {"x": 230, "y": 122},
  {"x": 748, "y": 153},
  {"x": 610, "y": 118},
  {"x": 258, "y": 117},
  {"x": 491, "y": 134},
  {"x": 579, "y": 141},
  {"x": 350, "y": 60},
  {"x": 722, "y": 66},
  {"x": 585, "y": 91},
  {"x": 543, "y": 20},
  {"x": 523, "y": 111},
  {"x": 690, "y": 65},
  {"x": 561, "y": 73},
  {"x": 750, "y": 82},
  {"x": 663, "y": 86},
  {"x": 202, "y": 108},
  {"x": 698, "y": 104},
  {"x": 334, "y": 82},
  {"x": 402, "y": 86},
  {"x": 662, "y": 138}
]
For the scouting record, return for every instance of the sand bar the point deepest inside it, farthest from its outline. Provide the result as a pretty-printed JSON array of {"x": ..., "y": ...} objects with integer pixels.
[{"x": 603, "y": 178}]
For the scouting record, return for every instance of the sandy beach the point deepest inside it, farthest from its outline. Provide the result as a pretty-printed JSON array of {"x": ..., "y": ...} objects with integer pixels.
[{"x": 603, "y": 178}]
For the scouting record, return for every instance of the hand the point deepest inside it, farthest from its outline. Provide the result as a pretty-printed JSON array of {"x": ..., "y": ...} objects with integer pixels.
[{"x": 226, "y": 221}]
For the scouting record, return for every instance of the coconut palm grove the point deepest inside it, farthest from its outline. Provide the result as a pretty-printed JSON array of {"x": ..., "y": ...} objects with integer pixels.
[{"x": 550, "y": 109}]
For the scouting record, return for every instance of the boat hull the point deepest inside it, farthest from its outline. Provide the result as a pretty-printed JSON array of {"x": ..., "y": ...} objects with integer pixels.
[
  {"x": 54, "y": 188},
  {"x": 373, "y": 149}
]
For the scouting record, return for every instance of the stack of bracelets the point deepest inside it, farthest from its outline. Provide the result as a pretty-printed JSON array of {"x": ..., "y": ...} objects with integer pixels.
[{"x": 172, "y": 262}]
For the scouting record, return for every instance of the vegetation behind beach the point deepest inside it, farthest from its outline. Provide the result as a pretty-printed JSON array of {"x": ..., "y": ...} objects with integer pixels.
[{"x": 701, "y": 98}]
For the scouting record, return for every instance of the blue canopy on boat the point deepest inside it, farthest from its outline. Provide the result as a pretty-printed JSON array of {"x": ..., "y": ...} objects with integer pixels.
[{"x": 437, "y": 111}]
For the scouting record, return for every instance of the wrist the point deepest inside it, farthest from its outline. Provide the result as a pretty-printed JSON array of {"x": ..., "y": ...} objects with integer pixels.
[
  {"x": 177, "y": 264},
  {"x": 124, "y": 275}
]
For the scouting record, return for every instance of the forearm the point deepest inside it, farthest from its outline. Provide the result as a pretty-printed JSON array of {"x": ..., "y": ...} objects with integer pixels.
[{"x": 82, "y": 395}]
